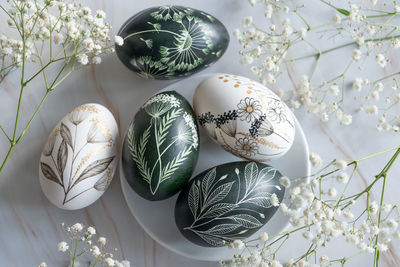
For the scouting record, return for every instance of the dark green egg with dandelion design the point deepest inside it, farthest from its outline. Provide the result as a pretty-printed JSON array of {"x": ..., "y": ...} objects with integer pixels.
[
  {"x": 228, "y": 202},
  {"x": 171, "y": 42},
  {"x": 161, "y": 146}
]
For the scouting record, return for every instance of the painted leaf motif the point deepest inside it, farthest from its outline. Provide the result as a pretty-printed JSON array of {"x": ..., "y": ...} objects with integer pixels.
[
  {"x": 62, "y": 156},
  {"x": 214, "y": 241},
  {"x": 95, "y": 168},
  {"x": 49, "y": 173},
  {"x": 246, "y": 220},
  {"x": 193, "y": 199},
  {"x": 66, "y": 134},
  {"x": 224, "y": 228},
  {"x": 262, "y": 199},
  {"x": 218, "y": 210},
  {"x": 95, "y": 135},
  {"x": 219, "y": 194},
  {"x": 137, "y": 151},
  {"x": 250, "y": 175},
  {"x": 174, "y": 164},
  {"x": 103, "y": 183},
  {"x": 208, "y": 181},
  {"x": 266, "y": 174}
]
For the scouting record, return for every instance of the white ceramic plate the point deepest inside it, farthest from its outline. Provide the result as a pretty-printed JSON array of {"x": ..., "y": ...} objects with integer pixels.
[{"x": 157, "y": 217}]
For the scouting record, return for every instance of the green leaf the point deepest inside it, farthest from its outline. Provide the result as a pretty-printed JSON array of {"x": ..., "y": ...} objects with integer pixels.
[{"x": 343, "y": 11}]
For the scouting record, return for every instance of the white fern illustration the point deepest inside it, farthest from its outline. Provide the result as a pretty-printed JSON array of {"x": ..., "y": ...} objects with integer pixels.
[
  {"x": 163, "y": 114},
  {"x": 207, "y": 204}
]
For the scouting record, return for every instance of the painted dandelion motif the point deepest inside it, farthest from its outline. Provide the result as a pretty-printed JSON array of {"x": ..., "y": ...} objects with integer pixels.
[{"x": 172, "y": 42}]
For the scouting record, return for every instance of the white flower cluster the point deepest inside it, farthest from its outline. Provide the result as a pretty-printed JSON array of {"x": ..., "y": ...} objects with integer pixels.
[
  {"x": 320, "y": 214},
  {"x": 77, "y": 235},
  {"x": 70, "y": 31},
  {"x": 164, "y": 98},
  {"x": 369, "y": 33},
  {"x": 189, "y": 121}
]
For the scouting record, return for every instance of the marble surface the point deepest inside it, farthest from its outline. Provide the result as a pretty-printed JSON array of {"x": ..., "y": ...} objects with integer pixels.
[{"x": 29, "y": 224}]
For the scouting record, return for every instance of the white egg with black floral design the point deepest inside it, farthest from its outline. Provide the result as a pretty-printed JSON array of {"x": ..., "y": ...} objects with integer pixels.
[
  {"x": 79, "y": 158},
  {"x": 246, "y": 118}
]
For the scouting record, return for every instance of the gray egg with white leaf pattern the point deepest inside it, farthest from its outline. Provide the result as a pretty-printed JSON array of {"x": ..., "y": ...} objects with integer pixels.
[{"x": 228, "y": 202}]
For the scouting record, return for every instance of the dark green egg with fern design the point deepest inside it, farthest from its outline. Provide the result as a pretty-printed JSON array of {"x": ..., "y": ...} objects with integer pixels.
[
  {"x": 228, "y": 202},
  {"x": 171, "y": 42},
  {"x": 161, "y": 146}
]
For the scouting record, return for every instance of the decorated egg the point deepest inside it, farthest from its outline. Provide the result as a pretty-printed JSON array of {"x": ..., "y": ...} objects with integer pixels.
[
  {"x": 170, "y": 42},
  {"x": 80, "y": 156},
  {"x": 244, "y": 117},
  {"x": 228, "y": 202},
  {"x": 161, "y": 146}
]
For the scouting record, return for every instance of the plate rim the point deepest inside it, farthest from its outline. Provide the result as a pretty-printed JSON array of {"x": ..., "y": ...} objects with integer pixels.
[{"x": 125, "y": 186}]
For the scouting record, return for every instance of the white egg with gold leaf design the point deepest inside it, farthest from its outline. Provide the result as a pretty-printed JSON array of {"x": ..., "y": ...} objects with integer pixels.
[
  {"x": 244, "y": 117},
  {"x": 79, "y": 158}
]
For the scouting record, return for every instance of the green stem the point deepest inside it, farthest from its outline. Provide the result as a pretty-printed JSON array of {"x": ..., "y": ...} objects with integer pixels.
[
  {"x": 342, "y": 46},
  {"x": 376, "y": 254}
]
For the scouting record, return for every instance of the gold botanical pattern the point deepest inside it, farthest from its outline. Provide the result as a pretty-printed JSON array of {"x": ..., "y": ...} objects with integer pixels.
[{"x": 54, "y": 165}]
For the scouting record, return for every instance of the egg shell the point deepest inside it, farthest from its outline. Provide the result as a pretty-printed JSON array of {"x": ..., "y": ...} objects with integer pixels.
[
  {"x": 79, "y": 159},
  {"x": 161, "y": 146},
  {"x": 244, "y": 117},
  {"x": 228, "y": 202},
  {"x": 170, "y": 42}
]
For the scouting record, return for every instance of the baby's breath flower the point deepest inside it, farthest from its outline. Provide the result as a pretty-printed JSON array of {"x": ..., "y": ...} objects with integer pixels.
[
  {"x": 382, "y": 247},
  {"x": 348, "y": 214},
  {"x": 119, "y": 40},
  {"x": 264, "y": 237},
  {"x": 247, "y": 21},
  {"x": 83, "y": 59},
  {"x": 357, "y": 54},
  {"x": 274, "y": 200},
  {"x": 332, "y": 192},
  {"x": 77, "y": 227},
  {"x": 387, "y": 207},
  {"x": 91, "y": 230},
  {"x": 95, "y": 251},
  {"x": 285, "y": 181},
  {"x": 315, "y": 159},
  {"x": 96, "y": 60},
  {"x": 238, "y": 244},
  {"x": 43, "y": 264},
  {"x": 341, "y": 164},
  {"x": 109, "y": 262},
  {"x": 62, "y": 246},
  {"x": 337, "y": 19},
  {"x": 102, "y": 241}
]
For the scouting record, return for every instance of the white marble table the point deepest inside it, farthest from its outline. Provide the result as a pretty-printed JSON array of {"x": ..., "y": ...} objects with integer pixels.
[{"x": 29, "y": 224}]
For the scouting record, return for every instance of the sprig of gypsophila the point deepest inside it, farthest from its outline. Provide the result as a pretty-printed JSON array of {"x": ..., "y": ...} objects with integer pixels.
[
  {"x": 324, "y": 210},
  {"x": 369, "y": 33},
  {"x": 81, "y": 246},
  {"x": 50, "y": 34}
]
